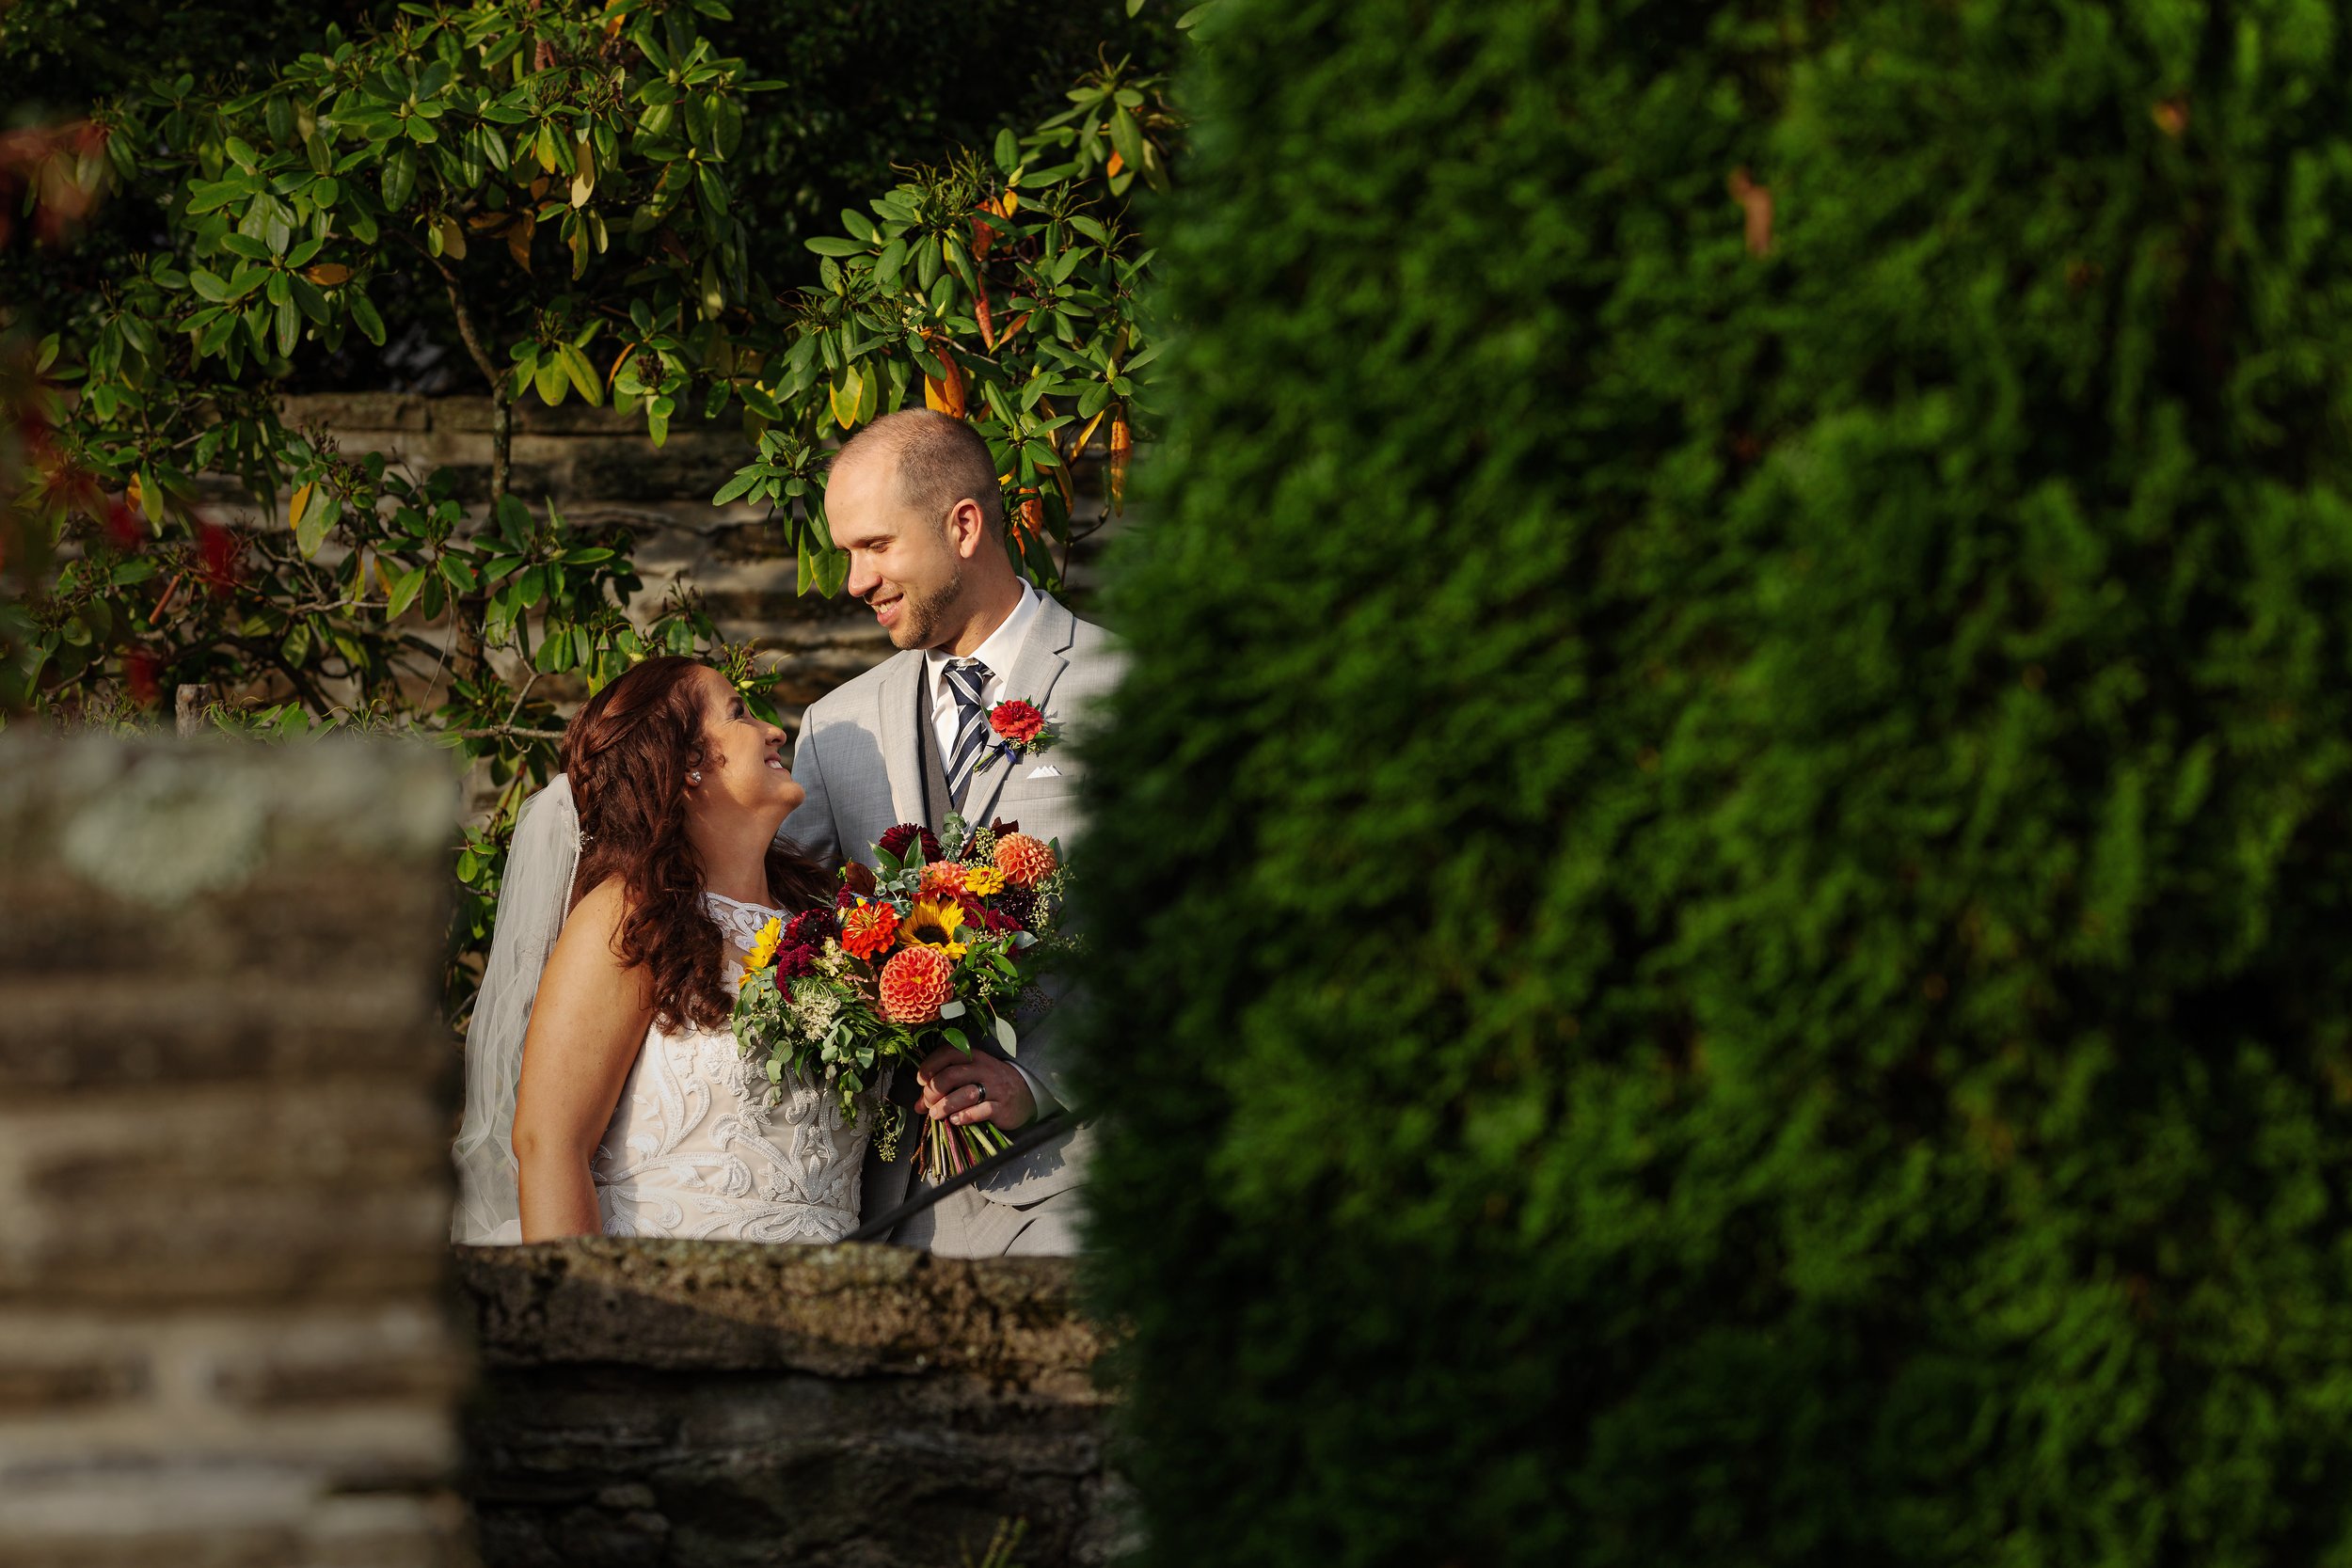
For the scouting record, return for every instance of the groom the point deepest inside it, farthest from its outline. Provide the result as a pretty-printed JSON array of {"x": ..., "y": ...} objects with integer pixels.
[{"x": 913, "y": 499}]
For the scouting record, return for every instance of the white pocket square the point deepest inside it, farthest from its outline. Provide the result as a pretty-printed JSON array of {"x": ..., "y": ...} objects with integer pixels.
[{"x": 1043, "y": 770}]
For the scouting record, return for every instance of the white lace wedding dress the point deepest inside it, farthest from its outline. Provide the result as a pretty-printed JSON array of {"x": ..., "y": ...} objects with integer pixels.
[{"x": 695, "y": 1149}]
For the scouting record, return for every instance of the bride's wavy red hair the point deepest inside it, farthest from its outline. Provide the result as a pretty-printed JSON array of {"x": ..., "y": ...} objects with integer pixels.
[{"x": 628, "y": 754}]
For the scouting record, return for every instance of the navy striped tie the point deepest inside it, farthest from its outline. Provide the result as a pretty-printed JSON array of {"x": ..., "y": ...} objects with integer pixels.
[{"x": 966, "y": 679}]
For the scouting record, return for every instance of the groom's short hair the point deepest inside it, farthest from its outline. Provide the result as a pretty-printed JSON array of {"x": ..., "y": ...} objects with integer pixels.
[{"x": 941, "y": 460}]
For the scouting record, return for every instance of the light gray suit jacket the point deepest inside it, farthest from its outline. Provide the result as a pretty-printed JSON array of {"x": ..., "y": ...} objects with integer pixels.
[{"x": 862, "y": 757}]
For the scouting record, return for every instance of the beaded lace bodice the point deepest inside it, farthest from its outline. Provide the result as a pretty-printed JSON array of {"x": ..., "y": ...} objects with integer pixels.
[{"x": 695, "y": 1148}]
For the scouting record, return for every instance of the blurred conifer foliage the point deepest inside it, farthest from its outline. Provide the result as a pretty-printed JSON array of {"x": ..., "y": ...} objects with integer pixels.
[{"x": 1732, "y": 819}]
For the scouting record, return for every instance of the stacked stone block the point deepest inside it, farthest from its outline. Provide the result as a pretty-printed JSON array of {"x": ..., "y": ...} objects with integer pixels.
[{"x": 224, "y": 1102}]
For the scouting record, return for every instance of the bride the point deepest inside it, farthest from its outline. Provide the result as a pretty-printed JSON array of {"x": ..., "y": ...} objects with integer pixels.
[{"x": 605, "y": 1091}]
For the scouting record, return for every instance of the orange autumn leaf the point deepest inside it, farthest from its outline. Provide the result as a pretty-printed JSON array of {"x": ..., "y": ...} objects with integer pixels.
[
  {"x": 327, "y": 273},
  {"x": 945, "y": 393},
  {"x": 1115, "y": 164},
  {"x": 1122, "y": 448},
  {"x": 988, "y": 331}
]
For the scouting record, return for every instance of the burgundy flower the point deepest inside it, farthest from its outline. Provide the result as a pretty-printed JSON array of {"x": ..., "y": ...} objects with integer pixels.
[
  {"x": 894, "y": 841},
  {"x": 1018, "y": 903},
  {"x": 997, "y": 920},
  {"x": 1003, "y": 829},
  {"x": 794, "y": 960},
  {"x": 811, "y": 928}
]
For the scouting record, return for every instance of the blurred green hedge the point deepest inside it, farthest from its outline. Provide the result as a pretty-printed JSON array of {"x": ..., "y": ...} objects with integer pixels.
[{"x": 1724, "y": 865}]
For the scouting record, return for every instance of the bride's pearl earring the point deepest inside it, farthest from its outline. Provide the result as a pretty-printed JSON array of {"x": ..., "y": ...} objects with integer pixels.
[{"x": 694, "y": 777}]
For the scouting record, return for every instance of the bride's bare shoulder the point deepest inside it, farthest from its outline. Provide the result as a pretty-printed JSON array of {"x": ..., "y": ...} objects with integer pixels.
[{"x": 594, "y": 922}]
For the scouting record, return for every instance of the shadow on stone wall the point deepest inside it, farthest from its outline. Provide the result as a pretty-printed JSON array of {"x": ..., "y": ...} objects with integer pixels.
[{"x": 660, "y": 1402}]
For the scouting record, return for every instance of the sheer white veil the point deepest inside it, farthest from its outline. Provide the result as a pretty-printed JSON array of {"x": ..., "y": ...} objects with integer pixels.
[{"x": 533, "y": 901}]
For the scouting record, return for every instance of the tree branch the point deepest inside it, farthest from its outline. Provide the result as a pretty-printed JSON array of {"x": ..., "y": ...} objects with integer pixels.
[
  {"x": 501, "y": 409},
  {"x": 508, "y": 732}
]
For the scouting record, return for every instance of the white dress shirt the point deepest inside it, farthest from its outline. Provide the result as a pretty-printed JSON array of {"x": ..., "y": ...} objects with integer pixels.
[{"x": 998, "y": 652}]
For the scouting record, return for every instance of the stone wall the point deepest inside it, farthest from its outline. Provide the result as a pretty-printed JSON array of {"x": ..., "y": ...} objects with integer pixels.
[
  {"x": 681, "y": 1403},
  {"x": 228, "y": 1336},
  {"x": 598, "y": 468},
  {"x": 224, "y": 1101}
]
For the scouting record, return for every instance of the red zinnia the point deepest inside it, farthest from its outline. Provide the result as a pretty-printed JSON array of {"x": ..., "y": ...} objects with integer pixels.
[
  {"x": 870, "y": 928},
  {"x": 1016, "y": 721}
]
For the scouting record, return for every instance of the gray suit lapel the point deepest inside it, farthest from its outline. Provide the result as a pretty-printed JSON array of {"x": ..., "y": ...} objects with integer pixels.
[
  {"x": 1034, "y": 669},
  {"x": 901, "y": 700}
]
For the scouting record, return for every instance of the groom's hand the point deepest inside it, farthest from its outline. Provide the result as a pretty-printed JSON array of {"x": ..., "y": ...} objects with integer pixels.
[{"x": 960, "y": 1089}]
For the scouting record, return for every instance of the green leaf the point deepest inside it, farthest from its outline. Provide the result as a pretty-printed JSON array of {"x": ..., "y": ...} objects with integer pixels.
[
  {"x": 583, "y": 373},
  {"x": 400, "y": 179},
  {"x": 1127, "y": 136},
  {"x": 824, "y": 246},
  {"x": 405, "y": 589},
  {"x": 308, "y": 300},
  {"x": 310, "y": 526},
  {"x": 363, "y": 312}
]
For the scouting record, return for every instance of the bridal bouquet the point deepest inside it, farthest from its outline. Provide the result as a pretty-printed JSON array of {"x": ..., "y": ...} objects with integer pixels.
[{"x": 936, "y": 948}]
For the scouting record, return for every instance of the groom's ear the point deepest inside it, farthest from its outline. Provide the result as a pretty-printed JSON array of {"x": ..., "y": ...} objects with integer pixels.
[{"x": 967, "y": 528}]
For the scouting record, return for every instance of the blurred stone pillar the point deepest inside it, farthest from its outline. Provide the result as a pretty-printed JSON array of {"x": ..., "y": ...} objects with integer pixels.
[{"x": 224, "y": 1102}]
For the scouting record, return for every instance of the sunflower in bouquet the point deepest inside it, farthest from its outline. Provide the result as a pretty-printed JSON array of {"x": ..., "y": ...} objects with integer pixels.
[{"x": 939, "y": 945}]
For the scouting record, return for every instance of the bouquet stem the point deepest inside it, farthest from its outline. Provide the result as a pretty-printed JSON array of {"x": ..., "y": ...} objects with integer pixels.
[{"x": 948, "y": 1151}]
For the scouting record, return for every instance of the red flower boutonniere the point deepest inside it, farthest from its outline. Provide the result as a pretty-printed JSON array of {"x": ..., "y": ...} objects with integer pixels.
[{"x": 1021, "y": 731}]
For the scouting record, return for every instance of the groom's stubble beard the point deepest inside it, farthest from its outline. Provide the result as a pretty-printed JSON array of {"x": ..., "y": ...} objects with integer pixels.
[{"x": 928, "y": 618}]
